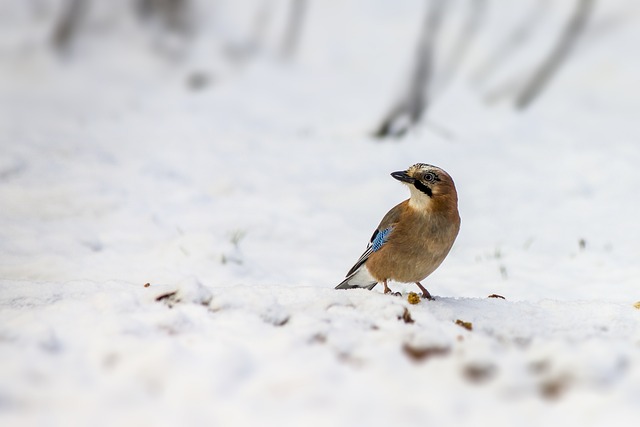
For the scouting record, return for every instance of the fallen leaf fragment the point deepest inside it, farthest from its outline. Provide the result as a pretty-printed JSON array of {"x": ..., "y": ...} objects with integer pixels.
[
  {"x": 420, "y": 354},
  {"x": 406, "y": 316},
  {"x": 467, "y": 325},
  {"x": 413, "y": 298}
]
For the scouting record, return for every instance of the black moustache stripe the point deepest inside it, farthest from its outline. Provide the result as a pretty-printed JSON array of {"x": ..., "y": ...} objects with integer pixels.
[{"x": 420, "y": 186}]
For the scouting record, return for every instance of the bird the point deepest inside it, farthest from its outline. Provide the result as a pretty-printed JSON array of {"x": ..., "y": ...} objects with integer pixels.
[{"x": 414, "y": 237}]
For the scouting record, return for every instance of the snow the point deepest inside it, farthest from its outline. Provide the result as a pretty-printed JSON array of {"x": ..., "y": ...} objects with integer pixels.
[{"x": 244, "y": 203}]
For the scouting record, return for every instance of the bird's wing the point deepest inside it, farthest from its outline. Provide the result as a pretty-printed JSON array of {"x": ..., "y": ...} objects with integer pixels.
[{"x": 379, "y": 237}]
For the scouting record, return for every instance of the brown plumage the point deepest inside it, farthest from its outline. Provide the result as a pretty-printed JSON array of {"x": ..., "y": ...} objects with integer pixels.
[{"x": 415, "y": 236}]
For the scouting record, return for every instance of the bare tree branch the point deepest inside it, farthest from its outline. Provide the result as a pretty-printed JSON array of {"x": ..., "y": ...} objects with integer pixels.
[
  {"x": 558, "y": 54},
  {"x": 171, "y": 14},
  {"x": 409, "y": 110},
  {"x": 297, "y": 12},
  {"x": 507, "y": 89},
  {"x": 67, "y": 27},
  {"x": 466, "y": 36},
  {"x": 517, "y": 37}
]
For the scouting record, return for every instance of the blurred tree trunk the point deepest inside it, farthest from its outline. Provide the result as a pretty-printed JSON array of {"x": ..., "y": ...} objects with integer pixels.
[
  {"x": 410, "y": 108},
  {"x": 173, "y": 15},
  {"x": 517, "y": 37},
  {"x": 475, "y": 13},
  {"x": 66, "y": 29},
  {"x": 297, "y": 12},
  {"x": 558, "y": 55}
]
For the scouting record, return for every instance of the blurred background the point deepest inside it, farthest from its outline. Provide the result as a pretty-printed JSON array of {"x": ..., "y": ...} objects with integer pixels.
[
  {"x": 135, "y": 112},
  {"x": 412, "y": 55},
  {"x": 234, "y": 155}
]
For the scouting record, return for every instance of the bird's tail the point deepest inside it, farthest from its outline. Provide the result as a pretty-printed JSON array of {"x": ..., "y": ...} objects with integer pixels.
[{"x": 358, "y": 279}]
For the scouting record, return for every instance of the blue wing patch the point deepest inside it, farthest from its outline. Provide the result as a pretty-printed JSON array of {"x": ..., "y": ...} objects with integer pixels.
[{"x": 380, "y": 239}]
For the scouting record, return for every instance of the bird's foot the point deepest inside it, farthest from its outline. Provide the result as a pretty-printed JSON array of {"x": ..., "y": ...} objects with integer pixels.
[
  {"x": 386, "y": 288},
  {"x": 428, "y": 296},
  {"x": 425, "y": 292},
  {"x": 389, "y": 291}
]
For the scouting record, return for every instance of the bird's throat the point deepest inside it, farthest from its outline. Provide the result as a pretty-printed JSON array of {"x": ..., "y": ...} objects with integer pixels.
[{"x": 423, "y": 188}]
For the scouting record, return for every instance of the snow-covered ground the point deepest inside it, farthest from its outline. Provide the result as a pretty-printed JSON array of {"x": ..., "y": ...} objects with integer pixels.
[{"x": 244, "y": 203}]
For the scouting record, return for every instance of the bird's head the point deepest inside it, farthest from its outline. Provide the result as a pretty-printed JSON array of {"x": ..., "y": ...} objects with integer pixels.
[{"x": 428, "y": 184}]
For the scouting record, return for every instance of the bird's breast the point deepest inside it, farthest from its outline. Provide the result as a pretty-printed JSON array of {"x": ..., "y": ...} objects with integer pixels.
[{"x": 415, "y": 248}]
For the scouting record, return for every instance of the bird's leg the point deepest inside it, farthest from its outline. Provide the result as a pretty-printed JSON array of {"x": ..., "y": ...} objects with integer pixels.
[
  {"x": 425, "y": 292},
  {"x": 389, "y": 291},
  {"x": 386, "y": 288}
]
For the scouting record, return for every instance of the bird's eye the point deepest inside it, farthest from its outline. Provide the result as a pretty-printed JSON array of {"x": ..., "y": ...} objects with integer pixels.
[{"x": 429, "y": 177}]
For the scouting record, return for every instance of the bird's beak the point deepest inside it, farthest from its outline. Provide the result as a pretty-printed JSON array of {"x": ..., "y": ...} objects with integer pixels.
[{"x": 403, "y": 176}]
